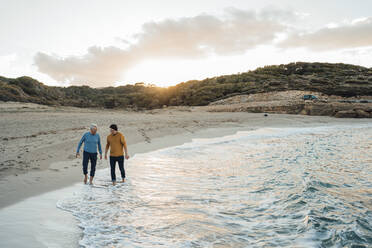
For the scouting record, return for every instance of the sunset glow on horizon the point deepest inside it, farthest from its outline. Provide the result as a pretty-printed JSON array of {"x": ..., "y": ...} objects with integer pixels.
[{"x": 112, "y": 43}]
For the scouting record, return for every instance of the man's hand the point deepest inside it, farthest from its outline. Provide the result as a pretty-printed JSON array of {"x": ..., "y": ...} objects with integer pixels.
[
  {"x": 106, "y": 156},
  {"x": 77, "y": 155},
  {"x": 126, "y": 156},
  {"x": 100, "y": 156}
]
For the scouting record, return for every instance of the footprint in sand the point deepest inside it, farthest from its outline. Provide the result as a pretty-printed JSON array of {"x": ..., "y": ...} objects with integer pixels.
[{"x": 144, "y": 135}]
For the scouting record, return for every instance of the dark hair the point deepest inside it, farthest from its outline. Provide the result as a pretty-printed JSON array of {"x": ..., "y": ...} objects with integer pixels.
[{"x": 114, "y": 126}]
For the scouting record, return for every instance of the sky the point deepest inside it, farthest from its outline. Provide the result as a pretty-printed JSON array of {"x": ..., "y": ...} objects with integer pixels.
[{"x": 165, "y": 42}]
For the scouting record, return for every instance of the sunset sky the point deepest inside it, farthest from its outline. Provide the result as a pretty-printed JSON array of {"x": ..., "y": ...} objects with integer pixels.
[{"x": 114, "y": 42}]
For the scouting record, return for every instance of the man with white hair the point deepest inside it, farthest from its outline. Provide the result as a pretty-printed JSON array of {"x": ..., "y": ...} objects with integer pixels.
[{"x": 91, "y": 141}]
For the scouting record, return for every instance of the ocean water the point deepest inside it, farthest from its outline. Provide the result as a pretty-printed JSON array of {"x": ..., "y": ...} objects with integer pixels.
[{"x": 271, "y": 187}]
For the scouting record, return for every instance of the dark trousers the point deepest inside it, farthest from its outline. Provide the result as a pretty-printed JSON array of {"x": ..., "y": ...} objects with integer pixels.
[
  {"x": 93, "y": 161},
  {"x": 120, "y": 161}
]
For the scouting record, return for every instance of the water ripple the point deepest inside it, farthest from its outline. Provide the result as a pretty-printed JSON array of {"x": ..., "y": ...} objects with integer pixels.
[{"x": 298, "y": 187}]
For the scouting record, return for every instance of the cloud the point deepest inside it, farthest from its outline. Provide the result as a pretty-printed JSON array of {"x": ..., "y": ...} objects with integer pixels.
[
  {"x": 357, "y": 33},
  {"x": 205, "y": 34},
  {"x": 187, "y": 37},
  {"x": 99, "y": 67}
]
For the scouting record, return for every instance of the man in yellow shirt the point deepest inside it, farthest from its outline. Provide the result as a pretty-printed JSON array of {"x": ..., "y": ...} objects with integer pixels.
[{"x": 116, "y": 142}]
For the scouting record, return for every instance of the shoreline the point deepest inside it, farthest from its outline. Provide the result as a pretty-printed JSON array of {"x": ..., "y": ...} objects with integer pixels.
[
  {"x": 46, "y": 162},
  {"x": 48, "y": 225},
  {"x": 36, "y": 183},
  {"x": 43, "y": 222},
  {"x": 29, "y": 201}
]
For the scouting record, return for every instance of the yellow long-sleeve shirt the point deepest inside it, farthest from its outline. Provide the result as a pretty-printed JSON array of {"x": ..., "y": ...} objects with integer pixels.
[{"x": 116, "y": 143}]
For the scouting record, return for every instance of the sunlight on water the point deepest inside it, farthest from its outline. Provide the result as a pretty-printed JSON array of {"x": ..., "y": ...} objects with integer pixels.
[{"x": 302, "y": 187}]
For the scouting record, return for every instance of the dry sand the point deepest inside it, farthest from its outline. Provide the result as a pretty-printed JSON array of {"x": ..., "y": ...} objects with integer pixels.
[{"x": 38, "y": 143}]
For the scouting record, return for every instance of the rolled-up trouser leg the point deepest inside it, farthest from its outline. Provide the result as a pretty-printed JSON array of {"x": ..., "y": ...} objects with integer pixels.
[
  {"x": 85, "y": 162},
  {"x": 93, "y": 162},
  {"x": 121, "y": 166},
  {"x": 112, "y": 166}
]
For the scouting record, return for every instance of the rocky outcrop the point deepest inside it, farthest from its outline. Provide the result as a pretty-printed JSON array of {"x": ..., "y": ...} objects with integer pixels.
[
  {"x": 290, "y": 102},
  {"x": 355, "y": 113}
]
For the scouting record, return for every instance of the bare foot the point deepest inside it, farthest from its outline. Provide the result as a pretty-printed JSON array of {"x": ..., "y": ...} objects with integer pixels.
[
  {"x": 114, "y": 183},
  {"x": 91, "y": 180},
  {"x": 123, "y": 181},
  {"x": 85, "y": 179}
]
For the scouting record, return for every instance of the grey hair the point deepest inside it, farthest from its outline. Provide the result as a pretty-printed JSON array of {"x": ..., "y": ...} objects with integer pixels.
[{"x": 93, "y": 125}]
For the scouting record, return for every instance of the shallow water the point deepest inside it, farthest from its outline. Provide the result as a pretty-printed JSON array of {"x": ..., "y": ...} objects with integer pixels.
[{"x": 272, "y": 187}]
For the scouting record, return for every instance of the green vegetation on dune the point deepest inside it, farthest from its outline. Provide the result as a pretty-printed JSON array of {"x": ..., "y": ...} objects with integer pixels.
[{"x": 331, "y": 79}]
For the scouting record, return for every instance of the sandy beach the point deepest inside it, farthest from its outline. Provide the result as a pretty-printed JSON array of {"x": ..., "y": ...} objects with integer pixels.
[
  {"x": 38, "y": 166},
  {"x": 38, "y": 142}
]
